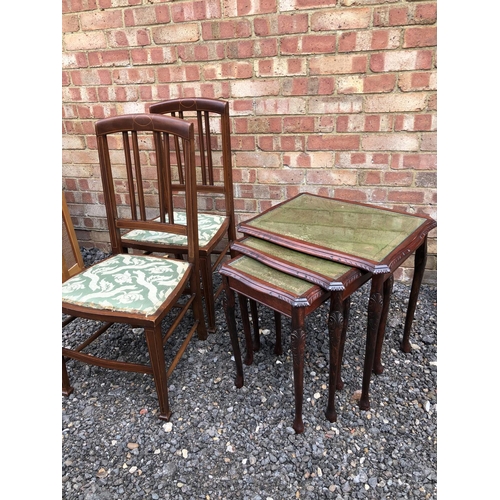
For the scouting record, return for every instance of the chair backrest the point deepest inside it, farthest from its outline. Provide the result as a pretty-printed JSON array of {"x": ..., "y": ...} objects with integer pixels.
[
  {"x": 136, "y": 156},
  {"x": 72, "y": 261},
  {"x": 213, "y": 152}
]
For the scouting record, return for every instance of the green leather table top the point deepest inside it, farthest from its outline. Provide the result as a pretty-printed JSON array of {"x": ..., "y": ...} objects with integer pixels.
[{"x": 337, "y": 229}]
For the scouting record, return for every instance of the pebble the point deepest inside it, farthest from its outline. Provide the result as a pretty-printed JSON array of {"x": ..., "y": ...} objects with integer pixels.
[{"x": 224, "y": 443}]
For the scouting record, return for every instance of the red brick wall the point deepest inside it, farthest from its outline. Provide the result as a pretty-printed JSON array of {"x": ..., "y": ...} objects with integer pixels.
[{"x": 336, "y": 97}]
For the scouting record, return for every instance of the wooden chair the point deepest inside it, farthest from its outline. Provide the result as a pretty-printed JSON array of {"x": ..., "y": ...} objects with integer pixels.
[
  {"x": 140, "y": 290},
  {"x": 214, "y": 188}
]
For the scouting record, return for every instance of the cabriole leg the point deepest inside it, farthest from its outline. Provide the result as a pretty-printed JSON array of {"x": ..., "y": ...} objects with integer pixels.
[
  {"x": 418, "y": 274},
  {"x": 377, "y": 362},
  {"x": 298, "y": 341},
  {"x": 335, "y": 327},
  {"x": 374, "y": 313}
]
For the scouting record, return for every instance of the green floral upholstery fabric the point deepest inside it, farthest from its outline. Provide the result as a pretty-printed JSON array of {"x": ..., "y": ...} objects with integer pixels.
[
  {"x": 208, "y": 225},
  {"x": 125, "y": 283}
]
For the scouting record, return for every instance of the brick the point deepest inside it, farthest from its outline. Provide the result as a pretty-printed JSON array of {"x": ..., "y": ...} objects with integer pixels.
[
  {"x": 238, "y": 8},
  {"x": 339, "y": 64},
  {"x": 420, "y": 37},
  {"x": 401, "y": 61},
  {"x": 155, "y": 55},
  {"x": 364, "y": 123},
  {"x": 426, "y": 179},
  {"x": 310, "y": 159},
  {"x": 216, "y": 30},
  {"x": 147, "y": 15},
  {"x": 179, "y": 73},
  {"x": 330, "y": 105},
  {"x": 195, "y": 11},
  {"x": 369, "y": 40},
  {"x": 101, "y": 19},
  {"x": 425, "y": 122},
  {"x": 109, "y": 58},
  {"x": 298, "y": 124},
  {"x": 349, "y": 3},
  {"x": 341, "y": 19},
  {"x": 134, "y": 75},
  {"x": 409, "y": 82},
  {"x": 84, "y": 41},
  {"x": 257, "y": 125},
  {"x": 75, "y": 60},
  {"x": 350, "y": 194},
  {"x": 334, "y": 143},
  {"x": 228, "y": 70},
  {"x": 390, "y": 142},
  {"x": 280, "y": 67},
  {"x": 91, "y": 77},
  {"x": 177, "y": 33},
  {"x": 284, "y": 24},
  {"x": 398, "y": 178},
  {"x": 421, "y": 161},
  {"x": 426, "y": 13},
  {"x": 308, "y": 86},
  {"x": 400, "y": 196},
  {"x": 394, "y": 103},
  {"x": 332, "y": 177},
  {"x": 131, "y": 37},
  {"x": 117, "y": 94},
  {"x": 245, "y": 49},
  {"x": 254, "y": 88},
  {"x": 70, "y": 23},
  {"x": 257, "y": 159},
  {"x": 365, "y": 84},
  {"x": 308, "y": 44},
  {"x": 429, "y": 142},
  {"x": 288, "y": 106},
  {"x": 286, "y": 5},
  {"x": 280, "y": 176}
]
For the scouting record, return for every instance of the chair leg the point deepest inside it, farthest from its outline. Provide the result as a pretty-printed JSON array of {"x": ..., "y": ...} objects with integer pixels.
[
  {"x": 298, "y": 341},
  {"x": 378, "y": 368},
  {"x": 418, "y": 274},
  {"x": 336, "y": 322},
  {"x": 228, "y": 304},
  {"x": 375, "y": 304},
  {"x": 278, "y": 346},
  {"x": 66, "y": 386},
  {"x": 157, "y": 360},
  {"x": 208, "y": 293},
  {"x": 347, "y": 309},
  {"x": 246, "y": 328}
]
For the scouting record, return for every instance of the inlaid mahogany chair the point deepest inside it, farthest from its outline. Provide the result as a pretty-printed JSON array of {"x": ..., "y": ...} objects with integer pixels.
[
  {"x": 216, "y": 224},
  {"x": 140, "y": 290}
]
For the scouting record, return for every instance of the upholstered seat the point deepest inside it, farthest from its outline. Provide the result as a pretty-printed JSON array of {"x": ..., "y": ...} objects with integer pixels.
[
  {"x": 126, "y": 283},
  {"x": 208, "y": 226}
]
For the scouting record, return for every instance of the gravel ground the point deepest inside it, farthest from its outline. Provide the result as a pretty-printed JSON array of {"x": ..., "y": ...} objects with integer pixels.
[{"x": 228, "y": 443}]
